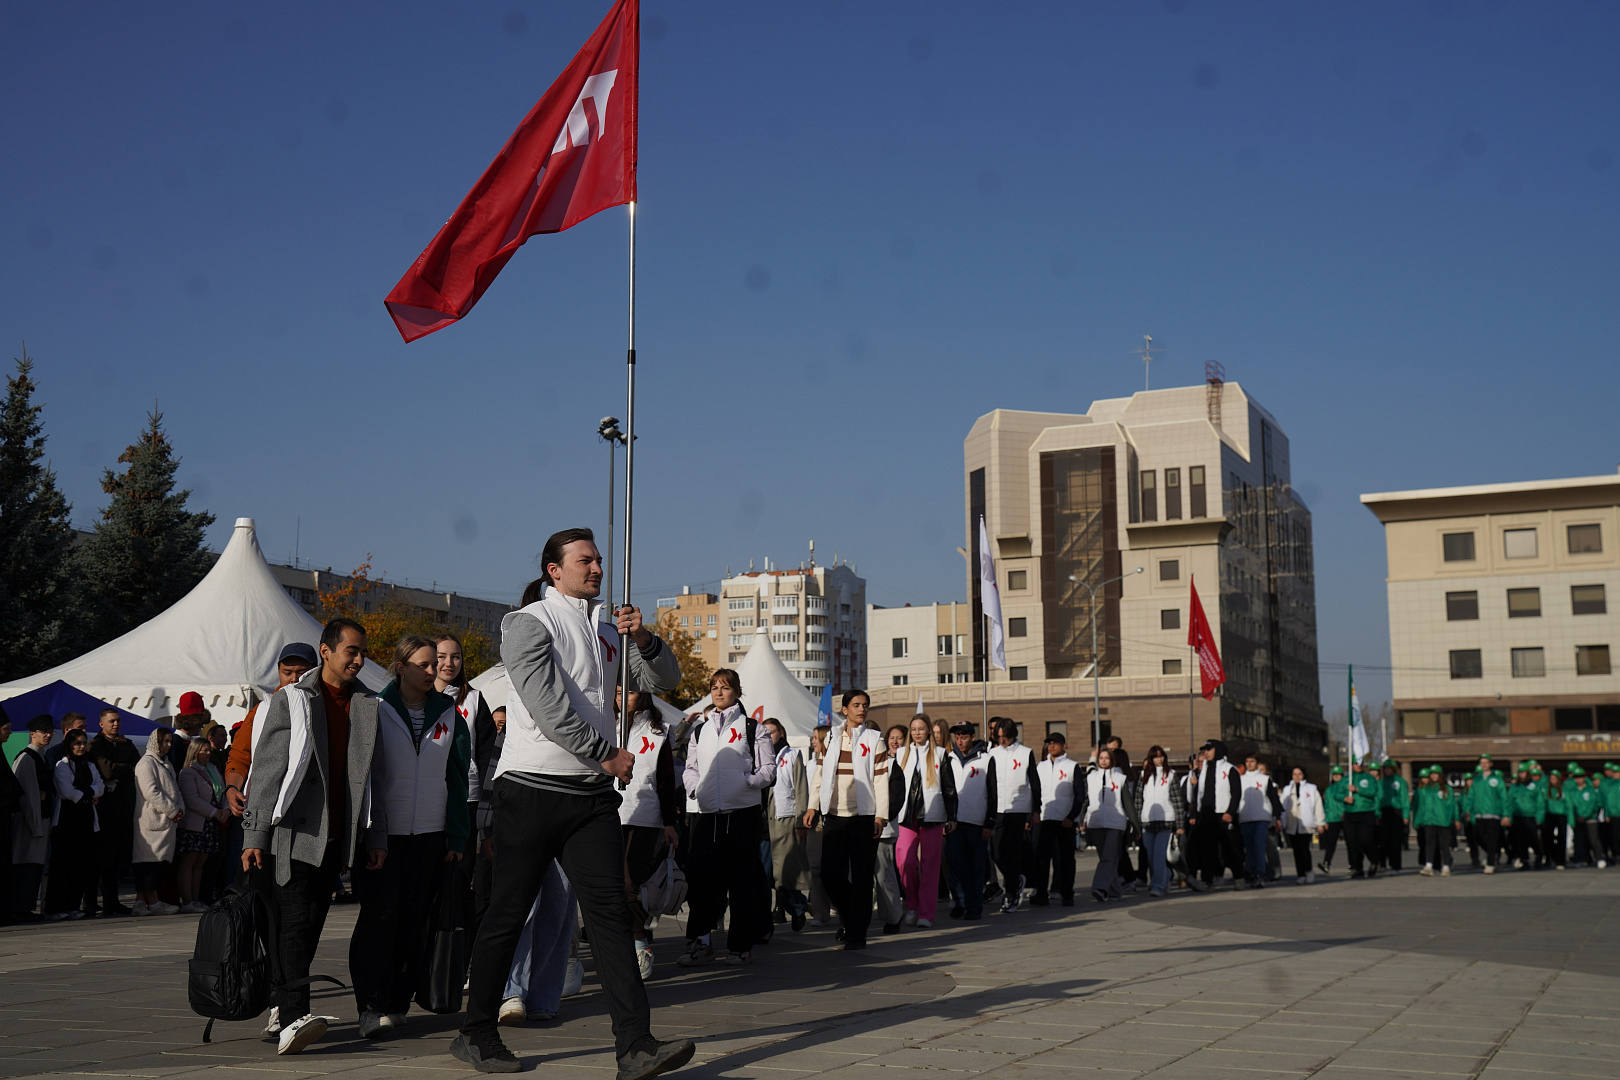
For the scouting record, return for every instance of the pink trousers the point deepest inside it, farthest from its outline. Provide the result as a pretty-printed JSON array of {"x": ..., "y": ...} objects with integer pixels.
[{"x": 917, "y": 852}]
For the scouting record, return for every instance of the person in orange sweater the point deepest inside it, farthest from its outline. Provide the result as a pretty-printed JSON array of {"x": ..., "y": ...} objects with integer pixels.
[{"x": 296, "y": 659}]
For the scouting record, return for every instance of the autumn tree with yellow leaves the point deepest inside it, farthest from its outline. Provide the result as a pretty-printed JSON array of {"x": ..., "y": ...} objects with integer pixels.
[{"x": 387, "y": 621}]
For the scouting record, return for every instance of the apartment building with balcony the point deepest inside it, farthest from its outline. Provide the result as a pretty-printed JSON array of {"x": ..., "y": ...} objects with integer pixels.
[
  {"x": 817, "y": 620},
  {"x": 1189, "y": 484},
  {"x": 920, "y": 646},
  {"x": 699, "y": 614},
  {"x": 1501, "y": 632}
]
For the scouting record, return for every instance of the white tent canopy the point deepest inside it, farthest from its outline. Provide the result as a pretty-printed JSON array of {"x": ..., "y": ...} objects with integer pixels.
[
  {"x": 770, "y": 690},
  {"x": 221, "y": 640},
  {"x": 497, "y": 688}
]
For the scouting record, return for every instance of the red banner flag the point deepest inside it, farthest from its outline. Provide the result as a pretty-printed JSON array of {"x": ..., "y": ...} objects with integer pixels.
[
  {"x": 1210, "y": 672},
  {"x": 573, "y": 156}
]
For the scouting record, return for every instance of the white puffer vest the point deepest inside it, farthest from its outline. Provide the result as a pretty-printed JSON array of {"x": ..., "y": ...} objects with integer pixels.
[
  {"x": 913, "y": 762},
  {"x": 1012, "y": 778},
  {"x": 640, "y": 805},
  {"x": 1057, "y": 786},
  {"x": 865, "y": 748},
  {"x": 784, "y": 799},
  {"x": 971, "y": 793},
  {"x": 415, "y": 790},
  {"x": 723, "y": 763},
  {"x": 1106, "y": 793}
]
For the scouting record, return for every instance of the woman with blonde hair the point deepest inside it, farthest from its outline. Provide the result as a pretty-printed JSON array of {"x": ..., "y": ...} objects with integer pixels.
[
  {"x": 204, "y": 800},
  {"x": 891, "y": 901},
  {"x": 922, "y": 800}
]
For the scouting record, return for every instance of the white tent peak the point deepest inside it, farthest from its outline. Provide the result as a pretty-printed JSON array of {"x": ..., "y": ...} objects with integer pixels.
[
  {"x": 770, "y": 689},
  {"x": 221, "y": 639}
]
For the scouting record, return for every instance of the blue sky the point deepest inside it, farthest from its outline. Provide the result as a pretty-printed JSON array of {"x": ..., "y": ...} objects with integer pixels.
[{"x": 862, "y": 226}]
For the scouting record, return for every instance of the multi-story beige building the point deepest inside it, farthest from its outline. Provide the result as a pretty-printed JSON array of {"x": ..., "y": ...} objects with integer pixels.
[
  {"x": 1188, "y": 484},
  {"x": 699, "y": 615},
  {"x": 817, "y": 618},
  {"x": 1500, "y": 630},
  {"x": 452, "y": 609},
  {"x": 919, "y": 646}
]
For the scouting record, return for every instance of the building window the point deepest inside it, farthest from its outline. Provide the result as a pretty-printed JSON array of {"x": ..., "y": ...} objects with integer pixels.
[
  {"x": 1573, "y": 718},
  {"x": 1018, "y": 627},
  {"x": 1459, "y": 547},
  {"x": 1585, "y": 539},
  {"x": 1150, "y": 495},
  {"x": 683, "y": 620},
  {"x": 1591, "y": 660},
  {"x": 744, "y": 604},
  {"x": 1198, "y": 506},
  {"x": 1017, "y": 580},
  {"x": 1466, "y": 664},
  {"x": 1170, "y": 667},
  {"x": 1169, "y": 569},
  {"x": 713, "y": 619},
  {"x": 1018, "y": 674},
  {"x": 1587, "y": 600},
  {"x": 947, "y": 645},
  {"x": 1172, "y": 494},
  {"x": 1462, "y": 606},
  {"x": 784, "y": 620},
  {"x": 1524, "y": 603},
  {"x": 1170, "y": 619},
  {"x": 1519, "y": 543},
  {"x": 1529, "y": 664},
  {"x": 902, "y": 680},
  {"x": 901, "y": 651}
]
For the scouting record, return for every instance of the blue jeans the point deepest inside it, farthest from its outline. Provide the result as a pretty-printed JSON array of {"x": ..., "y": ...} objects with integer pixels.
[
  {"x": 1254, "y": 849},
  {"x": 965, "y": 854},
  {"x": 1156, "y": 844},
  {"x": 541, "y": 962}
]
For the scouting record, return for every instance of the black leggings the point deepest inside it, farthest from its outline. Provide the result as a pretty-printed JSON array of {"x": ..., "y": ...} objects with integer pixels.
[{"x": 1301, "y": 844}]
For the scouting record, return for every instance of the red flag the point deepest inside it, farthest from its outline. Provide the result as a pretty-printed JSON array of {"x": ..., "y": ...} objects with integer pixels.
[
  {"x": 573, "y": 156},
  {"x": 1210, "y": 672}
]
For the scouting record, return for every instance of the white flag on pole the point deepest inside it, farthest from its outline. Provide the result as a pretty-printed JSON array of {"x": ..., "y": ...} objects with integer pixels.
[
  {"x": 990, "y": 599},
  {"x": 1358, "y": 729}
]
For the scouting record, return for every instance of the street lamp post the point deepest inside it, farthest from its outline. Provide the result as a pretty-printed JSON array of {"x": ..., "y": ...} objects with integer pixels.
[{"x": 1096, "y": 659}]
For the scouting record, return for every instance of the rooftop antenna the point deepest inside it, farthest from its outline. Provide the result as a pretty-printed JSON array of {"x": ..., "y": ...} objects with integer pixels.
[
  {"x": 1215, "y": 380},
  {"x": 812, "y": 554},
  {"x": 1147, "y": 352}
]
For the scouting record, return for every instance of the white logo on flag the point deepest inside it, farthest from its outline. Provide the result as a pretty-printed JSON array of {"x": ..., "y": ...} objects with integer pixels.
[{"x": 577, "y": 128}]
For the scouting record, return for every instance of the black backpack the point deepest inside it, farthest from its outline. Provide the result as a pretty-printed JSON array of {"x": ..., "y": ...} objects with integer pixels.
[{"x": 235, "y": 965}]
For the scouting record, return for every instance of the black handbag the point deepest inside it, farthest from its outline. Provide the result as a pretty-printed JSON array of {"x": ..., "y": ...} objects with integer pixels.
[{"x": 447, "y": 947}]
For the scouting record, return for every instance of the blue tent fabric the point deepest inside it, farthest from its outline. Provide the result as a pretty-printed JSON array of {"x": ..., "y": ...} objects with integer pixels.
[{"x": 59, "y": 698}]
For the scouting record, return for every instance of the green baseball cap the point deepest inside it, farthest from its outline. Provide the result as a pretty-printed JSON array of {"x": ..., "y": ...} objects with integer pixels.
[
  {"x": 1486, "y": 757},
  {"x": 1576, "y": 770},
  {"x": 1339, "y": 769}
]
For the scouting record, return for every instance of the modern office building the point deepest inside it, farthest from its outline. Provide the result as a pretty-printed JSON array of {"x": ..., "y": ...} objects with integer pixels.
[
  {"x": 1500, "y": 630},
  {"x": 1193, "y": 486},
  {"x": 699, "y": 615},
  {"x": 817, "y": 618},
  {"x": 919, "y": 646}
]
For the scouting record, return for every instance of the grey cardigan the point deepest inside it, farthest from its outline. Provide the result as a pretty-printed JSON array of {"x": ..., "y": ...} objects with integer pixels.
[{"x": 303, "y": 831}]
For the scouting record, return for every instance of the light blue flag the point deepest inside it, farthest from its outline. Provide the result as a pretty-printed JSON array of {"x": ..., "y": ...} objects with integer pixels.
[{"x": 824, "y": 708}]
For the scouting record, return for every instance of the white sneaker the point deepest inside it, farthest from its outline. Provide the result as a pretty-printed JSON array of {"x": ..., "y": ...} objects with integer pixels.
[
  {"x": 1445, "y": 871},
  {"x": 1518, "y": 864},
  {"x": 141, "y": 908},
  {"x": 644, "y": 962},
  {"x": 911, "y": 918},
  {"x": 194, "y": 907},
  {"x": 1490, "y": 869},
  {"x": 272, "y": 1025},
  {"x": 160, "y": 908},
  {"x": 374, "y": 1024},
  {"x": 397, "y": 1020},
  {"x": 1602, "y": 864},
  {"x": 1310, "y": 877},
  {"x": 1427, "y": 871},
  {"x": 512, "y": 1011},
  {"x": 301, "y": 1032},
  {"x": 925, "y": 924},
  {"x": 1300, "y": 880},
  {"x": 575, "y": 978}
]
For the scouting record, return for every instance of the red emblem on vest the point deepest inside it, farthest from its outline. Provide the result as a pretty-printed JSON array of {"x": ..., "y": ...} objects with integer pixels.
[
  {"x": 438, "y": 730},
  {"x": 646, "y": 745},
  {"x": 735, "y": 735},
  {"x": 973, "y": 770},
  {"x": 1062, "y": 775},
  {"x": 866, "y": 751},
  {"x": 613, "y": 653},
  {"x": 1016, "y": 764}
]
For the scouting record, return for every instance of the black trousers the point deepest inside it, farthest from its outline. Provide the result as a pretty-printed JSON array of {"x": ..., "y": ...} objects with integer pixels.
[
  {"x": 643, "y": 852},
  {"x": 848, "y": 856},
  {"x": 1214, "y": 845},
  {"x": 723, "y": 866},
  {"x": 302, "y": 905},
  {"x": 581, "y": 832},
  {"x": 1588, "y": 842},
  {"x": 1524, "y": 838},
  {"x": 1553, "y": 843},
  {"x": 387, "y": 951},
  {"x": 1435, "y": 844},
  {"x": 1009, "y": 847},
  {"x": 1300, "y": 843},
  {"x": 117, "y": 838},
  {"x": 1330, "y": 842},
  {"x": 1488, "y": 833},
  {"x": 1391, "y": 838},
  {"x": 1361, "y": 837},
  {"x": 1110, "y": 845},
  {"x": 74, "y": 858},
  {"x": 1053, "y": 844}
]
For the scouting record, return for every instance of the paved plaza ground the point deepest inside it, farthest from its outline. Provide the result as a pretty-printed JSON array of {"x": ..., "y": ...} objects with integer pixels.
[{"x": 1513, "y": 976}]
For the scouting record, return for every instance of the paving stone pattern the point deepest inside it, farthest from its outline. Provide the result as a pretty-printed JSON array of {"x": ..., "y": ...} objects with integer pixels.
[{"x": 1511, "y": 976}]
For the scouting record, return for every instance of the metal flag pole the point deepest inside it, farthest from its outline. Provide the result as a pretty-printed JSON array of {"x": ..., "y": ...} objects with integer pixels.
[
  {"x": 1192, "y": 666},
  {"x": 984, "y": 717},
  {"x": 629, "y": 483}
]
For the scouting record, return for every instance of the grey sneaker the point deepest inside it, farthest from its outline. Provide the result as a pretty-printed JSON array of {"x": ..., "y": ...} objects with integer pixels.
[
  {"x": 662, "y": 1058},
  {"x": 696, "y": 955},
  {"x": 374, "y": 1025},
  {"x": 485, "y": 1052}
]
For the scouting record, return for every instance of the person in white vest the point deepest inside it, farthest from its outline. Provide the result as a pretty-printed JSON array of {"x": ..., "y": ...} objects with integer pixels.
[
  {"x": 789, "y": 797},
  {"x": 425, "y": 749},
  {"x": 1216, "y": 793},
  {"x": 1054, "y": 829},
  {"x": 1014, "y": 797},
  {"x": 848, "y": 801},
  {"x": 1106, "y": 808},
  {"x": 1161, "y": 810},
  {"x": 1303, "y": 818},
  {"x": 450, "y": 677},
  {"x": 729, "y": 764},
  {"x": 1259, "y": 811},
  {"x": 922, "y": 797},
  {"x": 967, "y": 848},
  {"x": 554, "y": 798},
  {"x": 821, "y": 913},
  {"x": 648, "y": 814}
]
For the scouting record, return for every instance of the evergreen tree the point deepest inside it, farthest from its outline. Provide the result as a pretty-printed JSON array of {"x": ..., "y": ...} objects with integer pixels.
[
  {"x": 147, "y": 549},
  {"x": 35, "y": 536}
]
